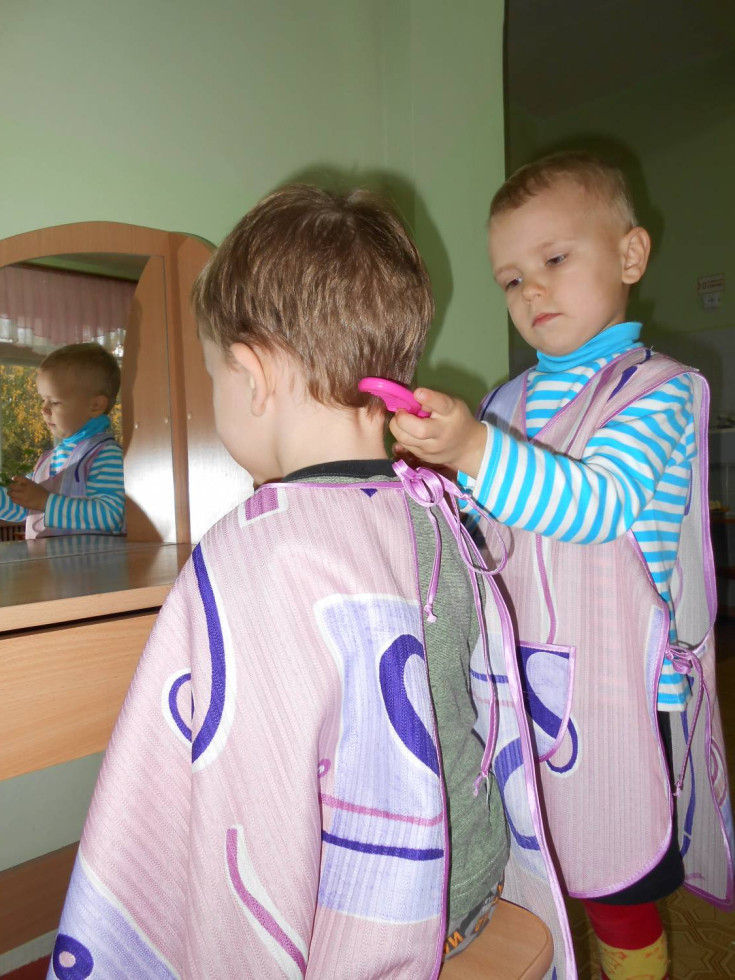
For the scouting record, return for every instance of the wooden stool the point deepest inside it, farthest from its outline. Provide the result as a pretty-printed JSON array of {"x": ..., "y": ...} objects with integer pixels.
[{"x": 516, "y": 945}]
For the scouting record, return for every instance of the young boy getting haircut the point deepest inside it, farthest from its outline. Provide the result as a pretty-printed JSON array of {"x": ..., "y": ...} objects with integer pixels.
[
  {"x": 294, "y": 786},
  {"x": 594, "y": 463},
  {"x": 76, "y": 487}
]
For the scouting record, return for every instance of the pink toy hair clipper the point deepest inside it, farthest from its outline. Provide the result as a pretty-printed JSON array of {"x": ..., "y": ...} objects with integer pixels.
[{"x": 394, "y": 395}]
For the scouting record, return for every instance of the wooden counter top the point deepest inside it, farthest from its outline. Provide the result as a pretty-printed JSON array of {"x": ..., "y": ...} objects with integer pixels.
[{"x": 62, "y": 579}]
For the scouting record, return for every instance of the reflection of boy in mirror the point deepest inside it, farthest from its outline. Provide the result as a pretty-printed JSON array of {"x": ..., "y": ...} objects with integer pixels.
[
  {"x": 302, "y": 711},
  {"x": 76, "y": 487}
]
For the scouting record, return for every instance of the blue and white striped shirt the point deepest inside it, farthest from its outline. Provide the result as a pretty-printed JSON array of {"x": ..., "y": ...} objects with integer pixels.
[
  {"x": 103, "y": 508},
  {"x": 634, "y": 474}
]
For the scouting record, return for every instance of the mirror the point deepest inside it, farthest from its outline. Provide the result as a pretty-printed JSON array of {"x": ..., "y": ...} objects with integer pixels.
[
  {"x": 46, "y": 304},
  {"x": 172, "y": 456}
]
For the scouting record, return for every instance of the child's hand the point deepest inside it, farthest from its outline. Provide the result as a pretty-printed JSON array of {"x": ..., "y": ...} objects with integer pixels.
[
  {"x": 450, "y": 437},
  {"x": 27, "y": 494}
]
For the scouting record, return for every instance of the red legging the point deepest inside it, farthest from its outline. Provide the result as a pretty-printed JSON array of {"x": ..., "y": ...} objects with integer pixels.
[{"x": 634, "y": 943}]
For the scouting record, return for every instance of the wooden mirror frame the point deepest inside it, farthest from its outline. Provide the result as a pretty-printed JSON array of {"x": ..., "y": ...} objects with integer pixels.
[{"x": 172, "y": 454}]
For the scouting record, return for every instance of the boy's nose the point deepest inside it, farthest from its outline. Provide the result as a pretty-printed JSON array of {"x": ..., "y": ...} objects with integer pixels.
[{"x": 532, "y": 288}]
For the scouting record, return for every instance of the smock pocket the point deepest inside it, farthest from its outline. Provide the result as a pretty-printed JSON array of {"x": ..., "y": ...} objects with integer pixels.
[{"x": 547, "y": 675}]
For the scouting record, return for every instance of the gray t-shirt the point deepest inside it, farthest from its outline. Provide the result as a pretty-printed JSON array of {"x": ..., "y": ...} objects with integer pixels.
[{"x": 477, "y": 825}]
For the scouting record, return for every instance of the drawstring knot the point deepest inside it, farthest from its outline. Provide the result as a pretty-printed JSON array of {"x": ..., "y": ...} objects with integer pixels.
[
  {"x": 426, "y": 488},
  {"x": 687, "y": 662},
  {"x": 430, "y": 489}
]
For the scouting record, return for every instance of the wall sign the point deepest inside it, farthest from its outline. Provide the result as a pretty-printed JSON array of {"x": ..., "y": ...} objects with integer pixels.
[{"x": 710, "y": 289}]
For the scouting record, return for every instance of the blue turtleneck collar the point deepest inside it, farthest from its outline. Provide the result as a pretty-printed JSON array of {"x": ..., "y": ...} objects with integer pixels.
[
  {"x": 613, "y": 340},
  {"x": 91, "y": 428}
]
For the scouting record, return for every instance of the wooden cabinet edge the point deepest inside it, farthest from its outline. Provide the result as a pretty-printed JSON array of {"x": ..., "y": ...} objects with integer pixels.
[{"x": 32, "y": 895}]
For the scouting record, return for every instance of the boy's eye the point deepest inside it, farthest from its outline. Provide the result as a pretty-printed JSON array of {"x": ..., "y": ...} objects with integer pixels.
[
  {"x": 555, "y": 260},
  {"x": 512, "y": 284}
]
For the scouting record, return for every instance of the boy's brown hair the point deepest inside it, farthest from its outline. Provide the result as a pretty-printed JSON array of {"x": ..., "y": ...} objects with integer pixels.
[
  {"x": 599, "y": 178},
  {"x": 92, "y": 366},
  {"x": 331, "y": 279}
]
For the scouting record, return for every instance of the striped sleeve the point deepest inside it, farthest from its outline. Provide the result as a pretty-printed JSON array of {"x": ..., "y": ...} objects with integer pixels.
[
  {"x": 599, "y": 497},
  {"x": 103, "y": 509},
  {"x": 9, "y": 511}
]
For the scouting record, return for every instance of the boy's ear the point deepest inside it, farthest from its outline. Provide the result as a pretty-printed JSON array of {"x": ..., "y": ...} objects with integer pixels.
[
  {"x": 98, "y": 405},
  {"x": 254, "y": 364},
  {"x": 636, "y": 247}
]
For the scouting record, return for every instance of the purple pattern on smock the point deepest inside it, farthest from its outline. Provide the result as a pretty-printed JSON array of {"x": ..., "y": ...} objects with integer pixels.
[{"x": 217, "y": 658}]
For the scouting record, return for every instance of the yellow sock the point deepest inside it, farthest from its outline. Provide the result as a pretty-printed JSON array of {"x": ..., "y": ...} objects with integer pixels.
[{"x": 649, "y": 963}]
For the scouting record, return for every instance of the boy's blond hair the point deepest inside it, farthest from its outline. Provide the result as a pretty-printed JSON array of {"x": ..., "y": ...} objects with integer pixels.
[
  {"x": 91, "y": 365},
  {"x": 331, "y": 279},
  {"x": 599, "y": 178}
]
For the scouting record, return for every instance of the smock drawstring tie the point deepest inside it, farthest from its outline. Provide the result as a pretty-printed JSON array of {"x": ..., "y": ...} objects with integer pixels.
[
  {"x": 687, "y": 662},
  {"x": 430, "y": 489}
]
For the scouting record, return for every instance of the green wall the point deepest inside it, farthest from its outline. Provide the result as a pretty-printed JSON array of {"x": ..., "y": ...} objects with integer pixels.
[{"x": 179, "y": 115}]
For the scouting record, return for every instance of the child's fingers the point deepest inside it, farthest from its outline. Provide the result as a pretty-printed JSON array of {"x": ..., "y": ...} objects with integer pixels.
[
  {"x": 435, "y": 402},
  {"x": 395, "y": 428},
  {"x": 410, "y": 430}
]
